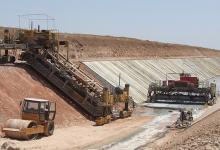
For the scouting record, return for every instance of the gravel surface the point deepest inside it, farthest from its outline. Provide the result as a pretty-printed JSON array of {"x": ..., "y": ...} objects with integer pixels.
[{"x": 204, "y": 135}]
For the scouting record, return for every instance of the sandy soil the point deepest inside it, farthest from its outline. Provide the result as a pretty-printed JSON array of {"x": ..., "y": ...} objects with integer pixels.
[
  {"x": 84, "y": 136},
  {"x": 18, "y": 82}
]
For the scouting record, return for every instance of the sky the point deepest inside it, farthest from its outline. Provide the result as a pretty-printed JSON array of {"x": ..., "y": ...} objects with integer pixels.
[{"x": 191, "y": 22}]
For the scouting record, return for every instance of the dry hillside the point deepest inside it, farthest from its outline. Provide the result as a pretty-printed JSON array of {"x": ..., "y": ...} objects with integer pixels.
[
  {"x": 94, "y": 47},
  {"x": 105, "y": 47}
]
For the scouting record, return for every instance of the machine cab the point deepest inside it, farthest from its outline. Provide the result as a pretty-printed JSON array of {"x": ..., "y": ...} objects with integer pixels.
[{"x": 38, "y": 109}]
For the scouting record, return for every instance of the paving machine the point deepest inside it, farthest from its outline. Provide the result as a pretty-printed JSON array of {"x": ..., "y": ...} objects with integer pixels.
[
  {"x": 186, "y": 90},
  {"x": 122, "y": 98},
  {"x": 122, "y": 95},
  {"x": 37, "y": 118},
  {"x": 40, "y": 49}
]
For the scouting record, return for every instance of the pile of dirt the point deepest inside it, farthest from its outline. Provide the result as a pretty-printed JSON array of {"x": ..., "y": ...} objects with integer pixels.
[
  {"x": 20, "y": 81},
  {"x": 205, "y": 135}
]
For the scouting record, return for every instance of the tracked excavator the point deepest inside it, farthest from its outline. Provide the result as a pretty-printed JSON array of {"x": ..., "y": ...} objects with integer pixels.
[{"x": 37, "y": 119}]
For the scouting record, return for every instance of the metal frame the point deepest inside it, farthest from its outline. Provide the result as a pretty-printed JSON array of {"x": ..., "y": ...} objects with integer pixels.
[{"x": 31, "y": 17}]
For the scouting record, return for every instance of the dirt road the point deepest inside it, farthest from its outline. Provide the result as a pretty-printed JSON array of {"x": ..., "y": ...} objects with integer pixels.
[{"x": 84, "y": 136}]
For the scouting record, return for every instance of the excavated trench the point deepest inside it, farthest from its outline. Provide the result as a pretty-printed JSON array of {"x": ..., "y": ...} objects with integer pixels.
[{"x": 138, "y": 73}]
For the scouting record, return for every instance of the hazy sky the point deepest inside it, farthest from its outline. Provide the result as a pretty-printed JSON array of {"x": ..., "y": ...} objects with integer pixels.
[{"x": 193, "y": 22}]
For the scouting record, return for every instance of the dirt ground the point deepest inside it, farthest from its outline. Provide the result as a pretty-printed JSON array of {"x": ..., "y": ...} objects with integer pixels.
[{"x": 83, "y": 136}]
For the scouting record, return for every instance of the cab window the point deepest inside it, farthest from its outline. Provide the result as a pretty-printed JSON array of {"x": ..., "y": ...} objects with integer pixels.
[
  {"x": 52, "y": 111},
  {"x": 31, "y": 106},
  {"x": 42, "y": 107}
]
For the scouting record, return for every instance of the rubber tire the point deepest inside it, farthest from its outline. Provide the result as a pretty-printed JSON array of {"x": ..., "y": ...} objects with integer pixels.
[
  {"x": 50, "y": 129},
  {"x": 12, "y": 59},
  {"x": 32, "y": 136},
  {"x": 211, "y": 102}
]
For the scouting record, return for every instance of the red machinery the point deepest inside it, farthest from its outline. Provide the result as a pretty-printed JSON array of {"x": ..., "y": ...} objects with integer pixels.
[{"x": 184, "y": 90}]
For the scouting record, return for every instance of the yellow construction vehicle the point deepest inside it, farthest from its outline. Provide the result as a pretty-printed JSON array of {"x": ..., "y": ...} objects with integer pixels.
[
  {"x": 122, "y": 97},
  {"x": 37, "y": 118}
]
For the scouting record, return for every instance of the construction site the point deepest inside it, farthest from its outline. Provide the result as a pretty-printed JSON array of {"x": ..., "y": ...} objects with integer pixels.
[{"x": 76, "y": 91}]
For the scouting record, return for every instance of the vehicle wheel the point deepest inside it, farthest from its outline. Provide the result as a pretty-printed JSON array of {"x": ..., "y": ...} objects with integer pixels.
[
  {"x": 190, "y": 118},
  {"x": 33, "y": 137},
  {"x": 12, "y": 59},
  {"x": 210, "y": 102},
  {"x": 214, "y": 100},
  {"x": 50, "y": 129}
]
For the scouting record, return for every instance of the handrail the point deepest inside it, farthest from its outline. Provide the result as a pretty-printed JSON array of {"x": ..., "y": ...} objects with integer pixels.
[{"x": 77, "y": 73}]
